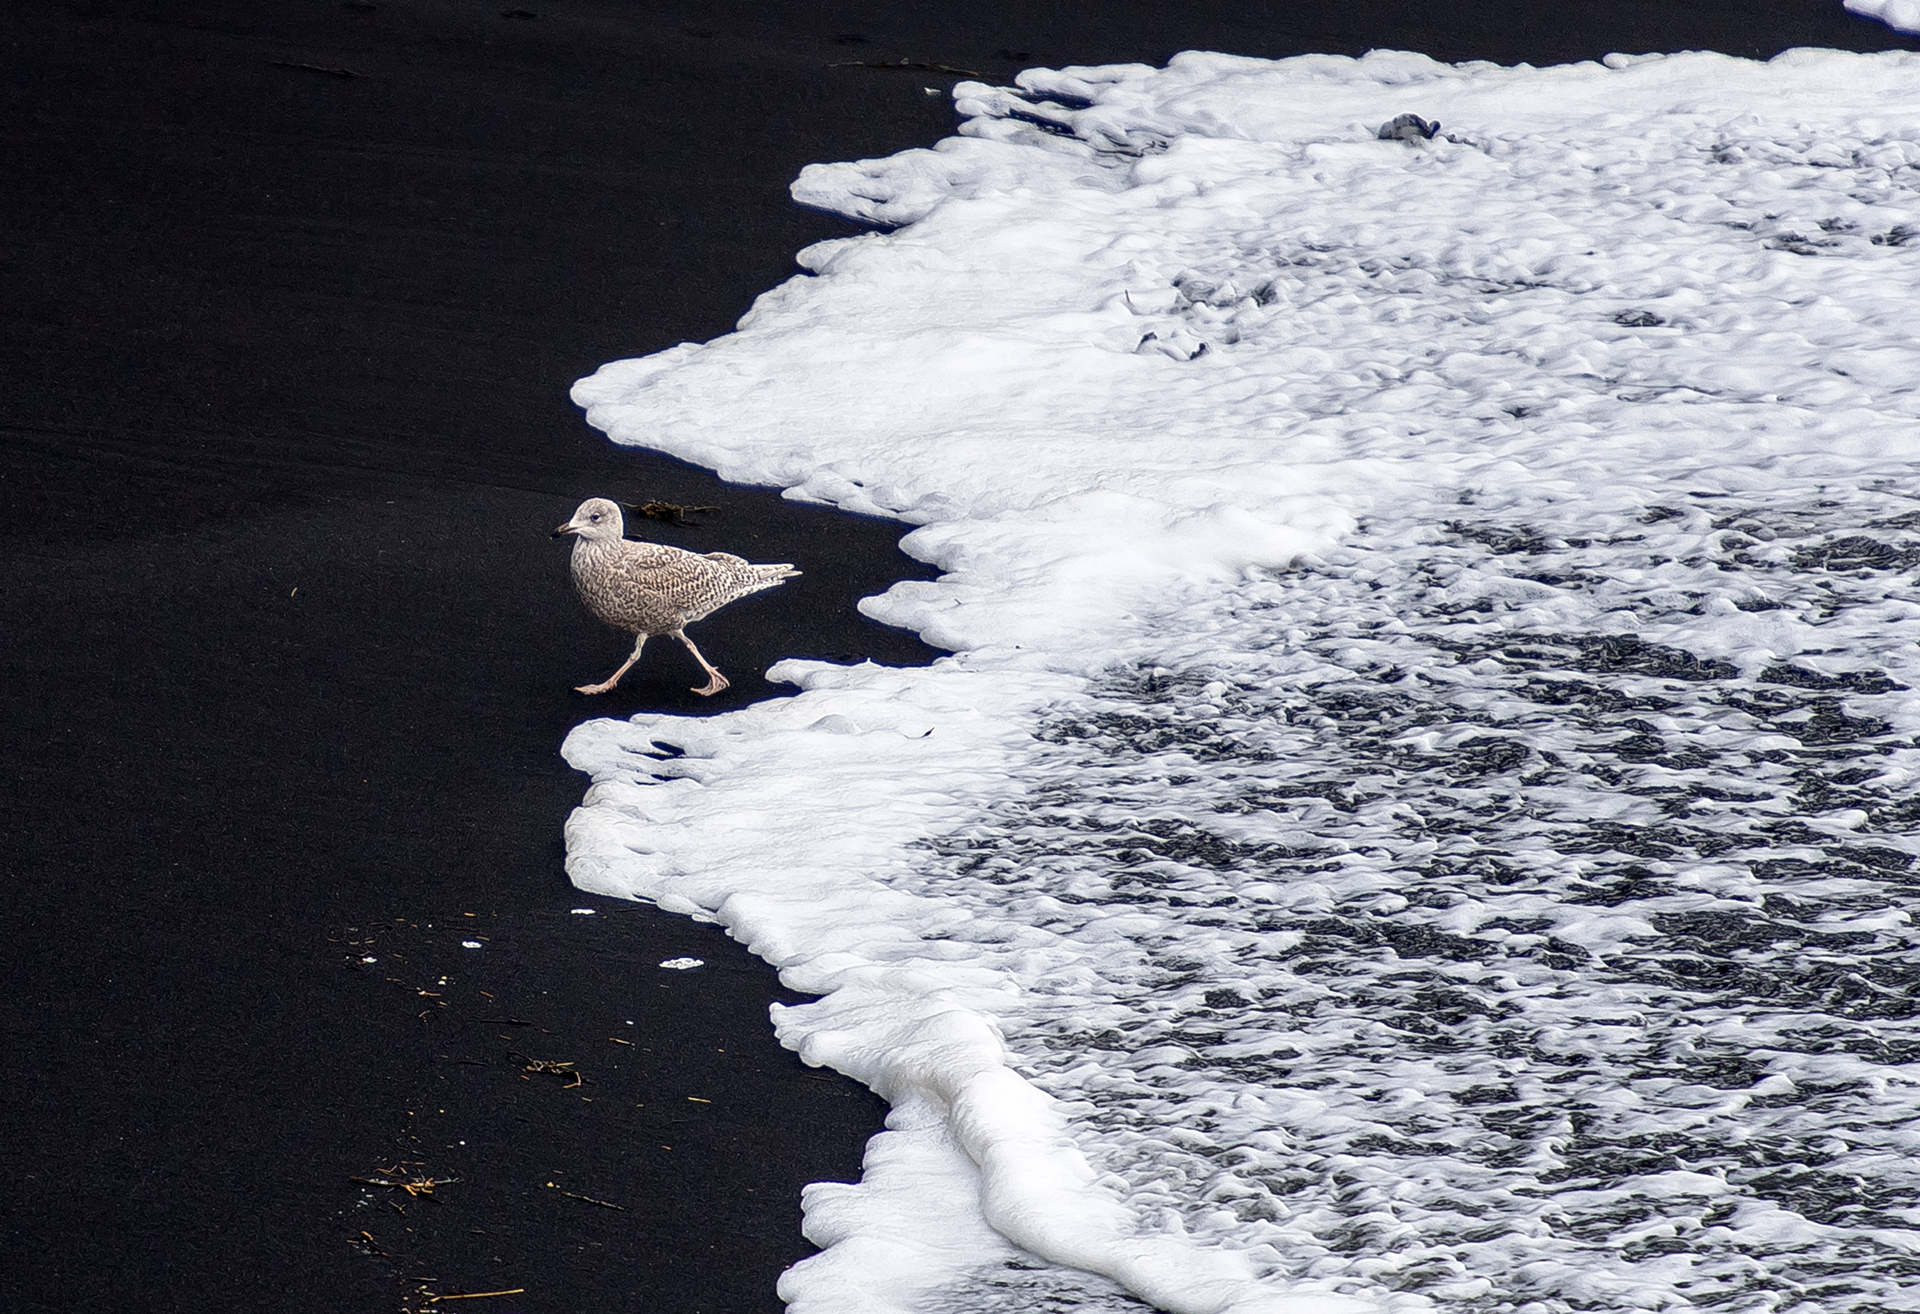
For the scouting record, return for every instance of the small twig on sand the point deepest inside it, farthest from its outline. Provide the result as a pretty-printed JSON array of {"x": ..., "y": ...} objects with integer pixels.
[
  {"x": 475, "y": 1295},
  {"x": 920, "y": 64},
  {"x": 604, "y": 1204},
  {"x": 555, "y": 1067},
  {"x": 314, "y": 68},
  {"x": 415, "y": 1186}
]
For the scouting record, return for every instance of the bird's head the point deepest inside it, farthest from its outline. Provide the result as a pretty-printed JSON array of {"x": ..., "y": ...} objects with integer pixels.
[{"x": 597, "y": 520}]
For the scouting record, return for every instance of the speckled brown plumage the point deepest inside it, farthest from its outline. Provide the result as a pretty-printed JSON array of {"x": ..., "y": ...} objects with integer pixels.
[{"x": 649, "y": 588}]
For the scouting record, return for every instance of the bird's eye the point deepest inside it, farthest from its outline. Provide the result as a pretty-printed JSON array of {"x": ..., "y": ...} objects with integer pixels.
[{"x": 595, "y": 517}]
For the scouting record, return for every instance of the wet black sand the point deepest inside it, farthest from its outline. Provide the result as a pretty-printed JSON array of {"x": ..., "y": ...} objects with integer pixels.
[{"x": 290, "y": 297}]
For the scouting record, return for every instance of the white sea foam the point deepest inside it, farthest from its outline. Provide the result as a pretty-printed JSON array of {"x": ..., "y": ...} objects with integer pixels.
[
  {"x": 1420, "y": 811},
  {"x": 1900, "y": 15}
]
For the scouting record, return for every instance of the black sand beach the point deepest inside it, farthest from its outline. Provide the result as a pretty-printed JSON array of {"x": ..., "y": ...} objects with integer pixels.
[{"x": 291, "y": 295}]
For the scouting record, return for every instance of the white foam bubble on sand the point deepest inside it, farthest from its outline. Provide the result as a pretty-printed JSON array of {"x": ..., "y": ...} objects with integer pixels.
[
  {"x": 1420, "y": 809},
  {"x": 1900, "y": 15}
]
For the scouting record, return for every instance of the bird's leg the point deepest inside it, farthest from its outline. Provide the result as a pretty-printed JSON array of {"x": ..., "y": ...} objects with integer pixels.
[
  {"x": 639, "y": 642},
  {"x": 718, "y": 681}
]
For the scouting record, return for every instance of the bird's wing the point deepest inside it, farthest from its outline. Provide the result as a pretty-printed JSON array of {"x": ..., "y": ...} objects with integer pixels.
[
  {"x": 642, "y": 558},
  {"x": 685, "y": 581}
]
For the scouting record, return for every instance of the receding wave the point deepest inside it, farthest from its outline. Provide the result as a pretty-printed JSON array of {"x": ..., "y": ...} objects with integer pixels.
[{"x": 1421, "y": 812}]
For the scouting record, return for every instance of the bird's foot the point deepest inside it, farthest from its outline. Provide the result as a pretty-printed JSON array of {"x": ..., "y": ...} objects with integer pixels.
[
  {"x": 713, "y": 686},
  {"x": 593, "y": 688}
]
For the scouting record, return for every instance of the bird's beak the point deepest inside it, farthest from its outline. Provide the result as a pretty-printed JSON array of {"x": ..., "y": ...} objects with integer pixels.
[{"x": 564, "y": 530}]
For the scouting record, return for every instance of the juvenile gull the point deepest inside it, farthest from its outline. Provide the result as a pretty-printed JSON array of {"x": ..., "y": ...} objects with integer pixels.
[{"x": 650, "y": 588}]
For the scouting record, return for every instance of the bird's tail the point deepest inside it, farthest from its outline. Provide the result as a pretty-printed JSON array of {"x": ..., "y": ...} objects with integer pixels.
[{"x": 760, "y": 577}]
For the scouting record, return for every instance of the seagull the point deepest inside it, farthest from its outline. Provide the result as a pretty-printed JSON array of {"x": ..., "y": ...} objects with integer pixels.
[{"x": 648, "y": 589}]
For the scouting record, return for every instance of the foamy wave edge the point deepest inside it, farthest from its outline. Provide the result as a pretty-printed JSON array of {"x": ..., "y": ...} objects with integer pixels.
[{"x": 976, "y": 1158}]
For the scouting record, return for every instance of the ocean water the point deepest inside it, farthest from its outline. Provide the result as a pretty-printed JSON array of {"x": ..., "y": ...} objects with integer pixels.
[{"x": 1421, "y": 811}]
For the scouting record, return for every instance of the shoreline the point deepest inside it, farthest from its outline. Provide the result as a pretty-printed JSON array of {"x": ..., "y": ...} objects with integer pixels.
[{"x": 300, "y": 296}]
